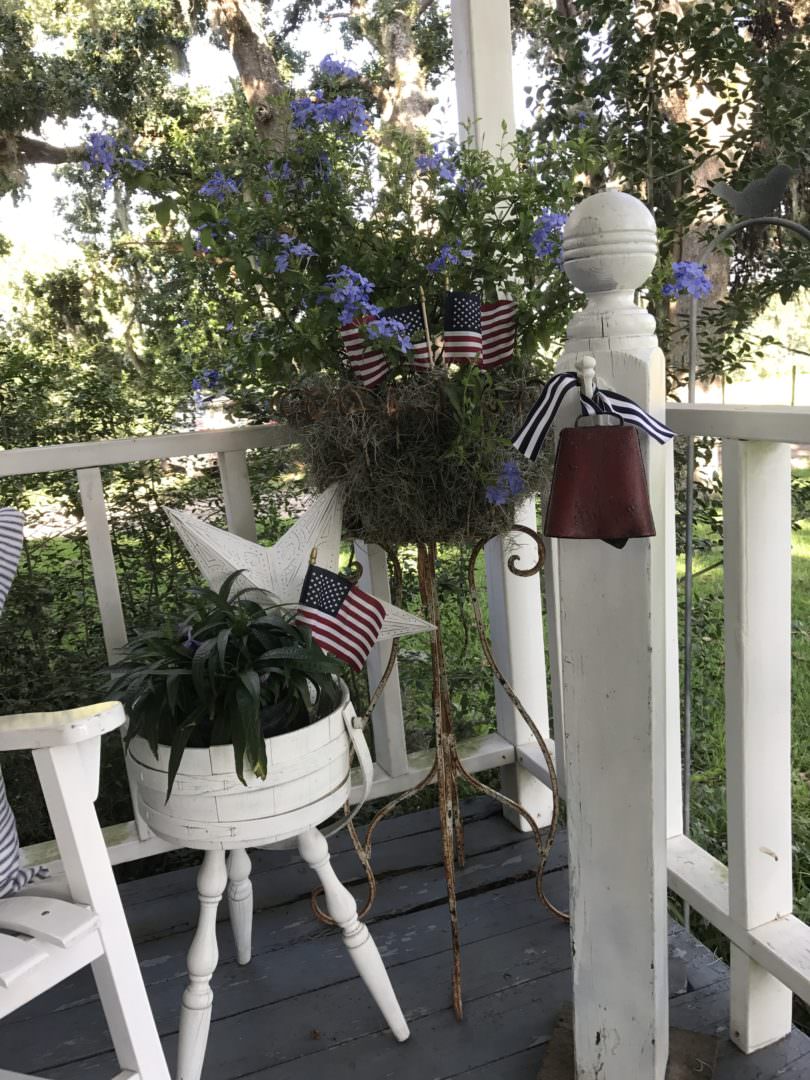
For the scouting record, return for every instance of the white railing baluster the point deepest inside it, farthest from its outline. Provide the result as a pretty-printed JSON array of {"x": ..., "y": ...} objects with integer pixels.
[
  {"x": 757, "y": 576},
  {"x": 516, "y": 629},
  {"x": 105, "y": 578},
  {"x": 91, "y": 489},
  {"x": 236, "y": 493},
  {"x": 388, "y": 724}
]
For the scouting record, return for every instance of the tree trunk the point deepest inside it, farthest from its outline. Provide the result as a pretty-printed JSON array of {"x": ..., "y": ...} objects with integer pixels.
[
  {"x": 404, "y": 102},
  {"x": 239, "y": 22}
]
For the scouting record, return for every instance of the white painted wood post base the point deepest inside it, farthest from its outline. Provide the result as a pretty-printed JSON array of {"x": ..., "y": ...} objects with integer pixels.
[
  {"x": 613, "y": 638},
  {"x": 240, "y": 903},
  {"x": 364, "y": 953},
  {"x": 195, "y": 1012}
]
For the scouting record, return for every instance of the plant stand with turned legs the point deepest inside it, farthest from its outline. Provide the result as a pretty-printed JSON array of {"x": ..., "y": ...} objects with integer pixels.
[{"x": 308, "y": 780}]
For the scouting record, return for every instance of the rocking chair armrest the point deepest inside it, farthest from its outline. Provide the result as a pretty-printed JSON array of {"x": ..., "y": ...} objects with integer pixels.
[{"x": 39, "y": 730}]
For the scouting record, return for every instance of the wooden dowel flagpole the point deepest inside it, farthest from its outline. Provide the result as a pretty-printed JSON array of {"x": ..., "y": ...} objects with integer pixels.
[{"x": 425, "y": 324}]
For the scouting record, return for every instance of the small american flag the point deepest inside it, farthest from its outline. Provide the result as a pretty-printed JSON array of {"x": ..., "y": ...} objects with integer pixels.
[
  {"x": 498, "y": 332},
  {"x": 367, "y": 361},
  {"x": 343, "y": 619},
  {"x": 462, "y": 327},
  {"x": 411, "y": 317}
]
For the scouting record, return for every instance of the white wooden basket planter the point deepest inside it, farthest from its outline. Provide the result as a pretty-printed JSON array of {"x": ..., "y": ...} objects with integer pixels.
[{"x": 308, "y": 780}]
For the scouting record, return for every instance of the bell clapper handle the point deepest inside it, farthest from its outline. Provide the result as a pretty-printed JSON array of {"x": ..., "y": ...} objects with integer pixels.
[{"x": 586, "y": 369}]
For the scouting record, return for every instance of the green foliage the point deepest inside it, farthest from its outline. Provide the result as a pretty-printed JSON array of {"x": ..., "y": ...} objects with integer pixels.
[
  {"x": 374, "y": 209},
  {"x": 116, "y": 59},
  {"x": 233, "y": 671},
  {"x": 674, "y": 97}
]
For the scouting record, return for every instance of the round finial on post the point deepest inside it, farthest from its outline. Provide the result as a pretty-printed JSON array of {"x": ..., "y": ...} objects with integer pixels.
[
  {"x": 609, "y": 243},
  {"x": 586, "y": 368}
]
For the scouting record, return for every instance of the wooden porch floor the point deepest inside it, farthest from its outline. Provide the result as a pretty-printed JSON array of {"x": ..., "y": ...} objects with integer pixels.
[{"x": 298, "y": 1012}]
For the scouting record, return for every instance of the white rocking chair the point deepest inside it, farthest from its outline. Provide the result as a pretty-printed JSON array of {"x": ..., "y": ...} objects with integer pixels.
[{"x": 45, "y": 939}]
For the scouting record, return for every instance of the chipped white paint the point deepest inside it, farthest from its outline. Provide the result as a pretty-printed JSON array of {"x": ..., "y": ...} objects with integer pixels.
[{"x": 614, "y": 651}]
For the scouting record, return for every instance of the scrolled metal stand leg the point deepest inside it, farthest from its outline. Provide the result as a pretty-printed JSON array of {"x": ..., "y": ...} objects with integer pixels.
[
  {"x": 543, "y": 848},
  {"x": 449, "y": 813},
  {"x": 447, "y": 766}
]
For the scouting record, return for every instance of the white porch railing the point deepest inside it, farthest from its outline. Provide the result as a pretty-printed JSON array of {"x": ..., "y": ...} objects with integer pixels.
[
  {"x": 394, "y": 769},
  {"x": 751, "y": 900}
]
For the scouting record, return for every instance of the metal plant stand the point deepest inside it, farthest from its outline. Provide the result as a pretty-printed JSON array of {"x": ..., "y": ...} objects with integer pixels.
[{"x": 448, "y": 767}]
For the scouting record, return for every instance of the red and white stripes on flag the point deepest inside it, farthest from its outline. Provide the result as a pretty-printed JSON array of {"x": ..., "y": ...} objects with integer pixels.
[
  {"x": 344, "y": 620},
  {"x": 497, "y": 332},
  {"x": 368, "y": 363},
  {"x": 420, "y": 356}
]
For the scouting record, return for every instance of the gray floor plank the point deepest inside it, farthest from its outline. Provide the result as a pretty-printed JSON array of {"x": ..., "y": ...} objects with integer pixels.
[{"x": 299, "y": 1013}]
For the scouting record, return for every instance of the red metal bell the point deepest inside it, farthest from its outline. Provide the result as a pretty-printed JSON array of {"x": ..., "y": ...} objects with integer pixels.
[{"x": 599, "y": 487}]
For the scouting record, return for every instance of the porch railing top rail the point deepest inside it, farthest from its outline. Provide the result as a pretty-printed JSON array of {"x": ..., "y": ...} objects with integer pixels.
[
  {"x": 765, "y": 423},
  {"x": 770, "y": 423},
  {"x": 62, "y": 456}
]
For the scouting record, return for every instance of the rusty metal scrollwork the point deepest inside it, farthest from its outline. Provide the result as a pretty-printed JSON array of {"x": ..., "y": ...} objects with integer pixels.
[{"x": 447, "y": 765}]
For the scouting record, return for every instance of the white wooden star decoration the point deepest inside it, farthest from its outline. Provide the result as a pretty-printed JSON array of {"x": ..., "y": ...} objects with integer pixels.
[{"x": 279, "y": 571}]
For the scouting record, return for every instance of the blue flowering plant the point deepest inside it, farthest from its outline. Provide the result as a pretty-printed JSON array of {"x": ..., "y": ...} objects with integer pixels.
[
  {"x": 335, "y": 227},
  {"x": 335, "y": 244}
]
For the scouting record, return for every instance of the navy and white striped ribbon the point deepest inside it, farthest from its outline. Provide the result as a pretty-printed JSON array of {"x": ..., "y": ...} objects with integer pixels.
[{"x": 529, "y": 440}]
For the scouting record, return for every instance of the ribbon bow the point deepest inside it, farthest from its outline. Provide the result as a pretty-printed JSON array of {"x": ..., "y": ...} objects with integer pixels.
[{"x": 529, "y": 440}]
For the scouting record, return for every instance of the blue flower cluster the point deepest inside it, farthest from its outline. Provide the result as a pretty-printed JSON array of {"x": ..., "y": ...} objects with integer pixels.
[
  {"x": 334, "y": 69},
  {"x": 547, "y": 236},
  {"x": 340, "y": 110},
  {"x": 508, "y": 485},
  {"x": 219, "y": 186},
  {"x": 392, "y": 329},
  {"x": 352, "y": 291},
  {"x": 437, "y": 162},
  {"x": 103, "y": 152},
  {"x": 209, "y": 379},
  {"x": 690, "y": 277},
  {"x": 291, "y": 248},
  {"x": 449, "y": 255}
]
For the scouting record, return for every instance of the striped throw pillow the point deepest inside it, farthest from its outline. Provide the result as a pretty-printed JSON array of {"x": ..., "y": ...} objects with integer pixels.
[{"x": 13, "y": 876}]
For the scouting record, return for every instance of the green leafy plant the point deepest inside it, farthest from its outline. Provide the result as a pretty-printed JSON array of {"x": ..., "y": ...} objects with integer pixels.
[{"x": 233, "y": 671}]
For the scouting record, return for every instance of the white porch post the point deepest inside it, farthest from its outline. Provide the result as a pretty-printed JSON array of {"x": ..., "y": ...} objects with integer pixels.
[
  {"x": 613, "y": 636},
  {"x": 482, "y": 50}
]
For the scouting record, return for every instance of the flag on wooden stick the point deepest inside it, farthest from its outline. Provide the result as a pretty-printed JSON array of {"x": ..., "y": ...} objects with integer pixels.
[
  {"x": 497, "y": 332},
  {"x": 367, "y": 361},
  {"x": 344, "y": 620},
  {"x": 462, "y": 328}
]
